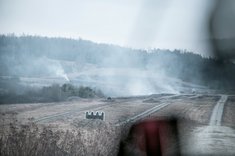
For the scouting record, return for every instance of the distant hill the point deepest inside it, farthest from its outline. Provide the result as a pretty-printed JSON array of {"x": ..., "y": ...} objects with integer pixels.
[{"x": 35, "y": 56}]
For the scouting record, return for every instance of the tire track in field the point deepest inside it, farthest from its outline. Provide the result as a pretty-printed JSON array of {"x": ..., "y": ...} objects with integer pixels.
[
  {"x": 147, "y": 112},
  {"x": 212, "y": 139},
  {"x": 143, "y": 114},
  {"x": 54, "y": 116},
  {"x": 218, "y": 110},
  {"x": 81, "y": 110}
]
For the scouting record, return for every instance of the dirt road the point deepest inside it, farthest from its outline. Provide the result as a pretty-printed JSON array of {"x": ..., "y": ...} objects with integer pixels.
[
  {"x": 212, "y": 138},
  {"x": 218, "y": 110}
]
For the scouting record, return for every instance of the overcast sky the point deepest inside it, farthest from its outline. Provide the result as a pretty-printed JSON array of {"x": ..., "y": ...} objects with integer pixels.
[{"x": 169, "y": 24}]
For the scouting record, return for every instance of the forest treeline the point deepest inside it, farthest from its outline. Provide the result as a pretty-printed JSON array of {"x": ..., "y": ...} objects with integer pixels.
[
  {"x": 51, "y": 93},
  {"x": 25, "y": 55}
]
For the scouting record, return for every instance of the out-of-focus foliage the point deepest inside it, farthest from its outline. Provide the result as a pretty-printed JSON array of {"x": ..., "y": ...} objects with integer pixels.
[{"x": 86, "y": 138}]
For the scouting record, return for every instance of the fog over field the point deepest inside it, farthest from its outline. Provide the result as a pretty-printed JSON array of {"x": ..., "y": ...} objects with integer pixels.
[
  {"x": 119, "y": 48},
  {"x": 33, "y": 62}
]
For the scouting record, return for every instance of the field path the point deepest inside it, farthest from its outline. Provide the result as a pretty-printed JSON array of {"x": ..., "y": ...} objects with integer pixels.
[
  {"x": 108, "y": 104},
  {"x": 218, "y": 110},
  {"x": 143, "y": 114},
  {"x": 57, "y": 115},
  {"x": 212, "y": 139},
  {"x": 149, "y": 111}
]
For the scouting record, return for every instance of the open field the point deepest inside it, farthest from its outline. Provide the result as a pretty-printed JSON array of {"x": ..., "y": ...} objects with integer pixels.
[{"x": 61, "y": 128}]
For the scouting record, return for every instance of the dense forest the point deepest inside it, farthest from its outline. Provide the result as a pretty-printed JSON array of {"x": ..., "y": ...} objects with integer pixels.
[{"x": 32, "y": 56}]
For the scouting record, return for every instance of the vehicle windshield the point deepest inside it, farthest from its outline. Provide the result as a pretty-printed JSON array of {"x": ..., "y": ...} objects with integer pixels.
[{"x": 126, "y": 77}]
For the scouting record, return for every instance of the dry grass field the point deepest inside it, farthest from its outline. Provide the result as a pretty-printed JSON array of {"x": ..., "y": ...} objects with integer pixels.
[{"x": 61, "y": 128}]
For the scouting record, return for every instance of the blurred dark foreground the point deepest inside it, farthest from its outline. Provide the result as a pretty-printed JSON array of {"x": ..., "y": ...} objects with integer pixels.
[{"x": 152, "y": 137}]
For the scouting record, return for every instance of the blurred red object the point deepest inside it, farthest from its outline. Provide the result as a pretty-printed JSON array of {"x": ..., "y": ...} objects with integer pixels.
[{"x": 152, "y": 137}]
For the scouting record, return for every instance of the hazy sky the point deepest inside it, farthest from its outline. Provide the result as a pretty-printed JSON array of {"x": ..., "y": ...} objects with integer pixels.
[{"x": 134, "y": 23}]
